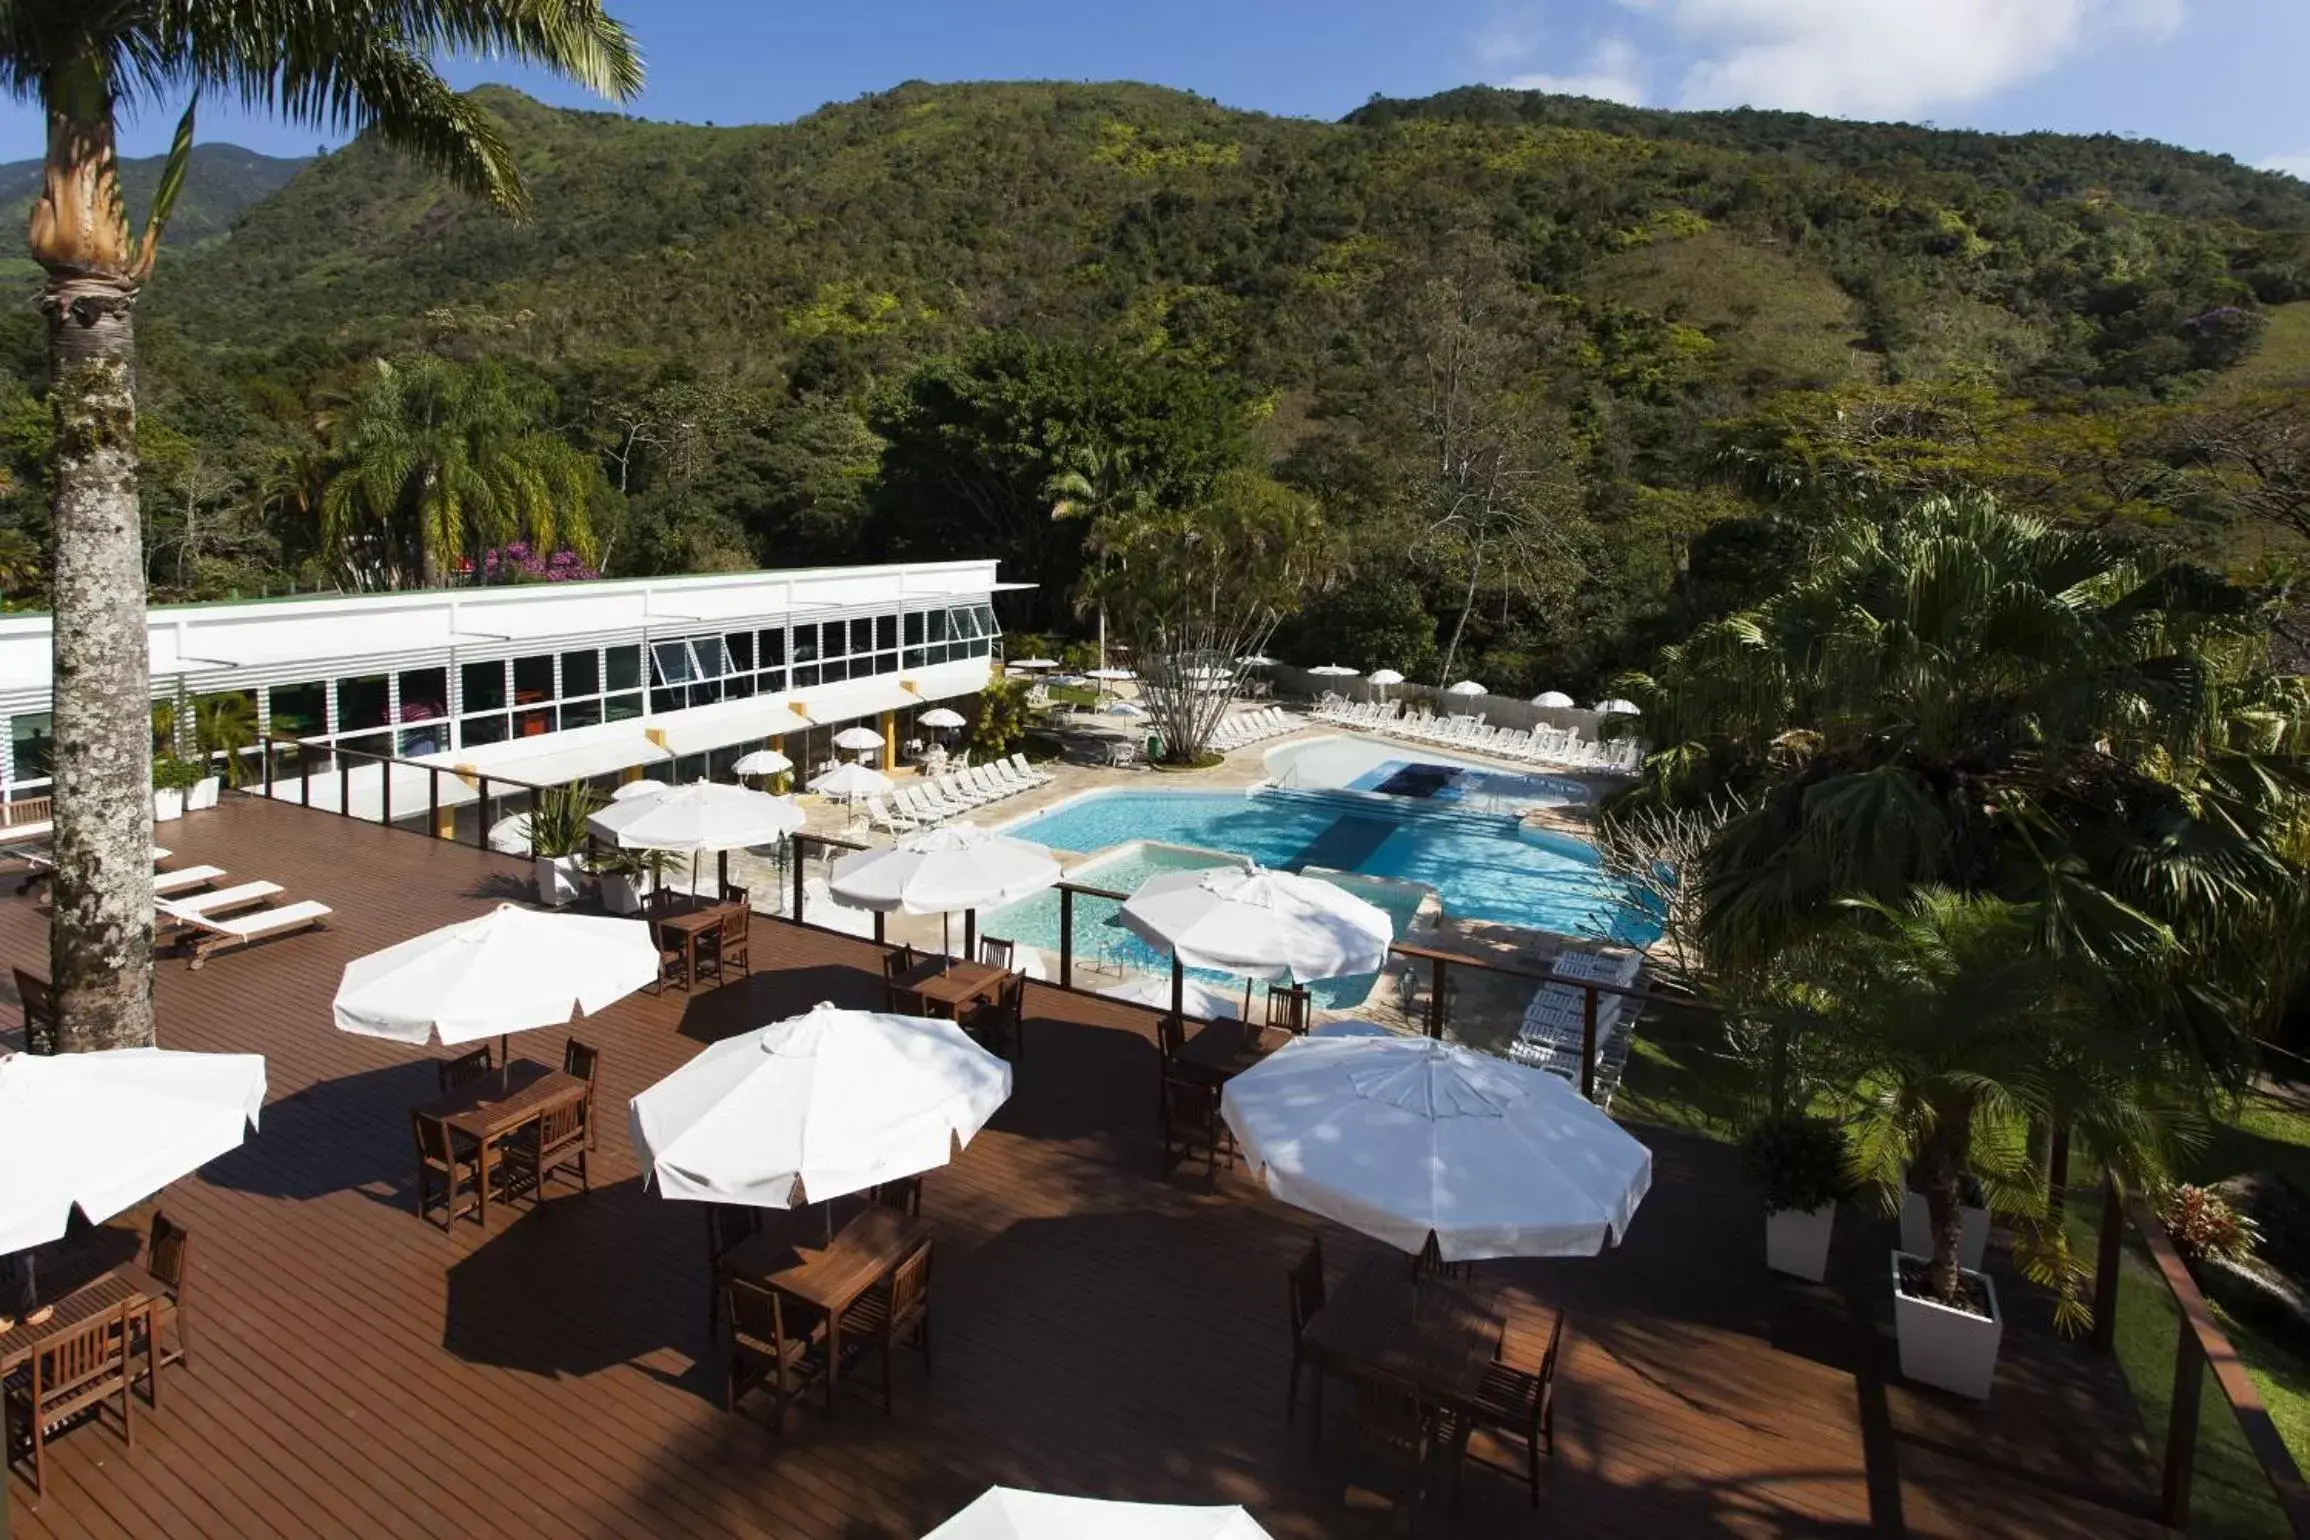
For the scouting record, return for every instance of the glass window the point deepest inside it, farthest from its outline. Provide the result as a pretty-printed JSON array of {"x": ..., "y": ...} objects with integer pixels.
[
  {"x": 533, "y": 724},
  {"x": 625, "y": 667},
  {"x": 299, "y": 710},
  {"x": 581, "y": 673},
  {"x": 622, "y": 708},
  {"x": 484, "y": 688},
  {"x": 806, "y": 676},
  {"x": 478, "y": 730},
  {"x": 666, "y": 698},
  {"x": 361, "y": 702},
  {"x": 424, "y": 695},
  {"x": 861, "y": 635},
  {"x": 713, "y": 658},
  {"x": 671, "y": 662},
  {"x": 936, "y": 620},
  {"x": 773, "y": 680},
  {"x": 987, "y": 626},
  {"x": 533, "y": 680},
  {"x": 885, "y": 632},
  {"x": 886, "y": 662},
  {"x": 773, "y": 652},
  {"x": 737, "y": 687},
  {"x": 34, "y": 735},
  {"x": 834, "y": 640},
  {"x": 805, "y": 644},
  {"x": 740, "y": 645},
  {"x": 432, "y": 738},
  {"x": 913, "y": 627},
  {"x": 580, "y": 713}
]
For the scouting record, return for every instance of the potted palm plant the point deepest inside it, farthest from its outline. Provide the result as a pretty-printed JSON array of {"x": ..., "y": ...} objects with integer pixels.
[
  {"x": 171, "y": 778},
  {"x": 557, "y": 835},
  {"x": 628, "y": 877},
  {"x": 1798, "y": 1165}
]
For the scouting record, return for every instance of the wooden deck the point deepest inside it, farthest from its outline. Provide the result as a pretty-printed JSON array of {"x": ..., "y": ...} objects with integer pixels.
[{"x": 1101, "y": 1329}]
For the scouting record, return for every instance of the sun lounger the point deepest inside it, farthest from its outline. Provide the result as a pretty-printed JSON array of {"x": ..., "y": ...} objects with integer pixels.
[
  {"x": 184, "y": 881},
  {"x": 206, "y": 935},
  {"x": 1034, "y": 777},
  {"x": 821, "y": 908},
  {"x": 221, "y": 901},
  {"x": 879, "y": 816}
]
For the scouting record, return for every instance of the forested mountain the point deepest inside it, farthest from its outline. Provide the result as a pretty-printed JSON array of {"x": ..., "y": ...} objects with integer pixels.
[
  {"x": 1557, "y": 372},
  {"x": 221, "y": 181}
]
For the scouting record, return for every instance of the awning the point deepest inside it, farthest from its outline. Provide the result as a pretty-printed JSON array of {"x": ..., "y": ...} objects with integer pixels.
[
  {"x": 851, "y": 703},
  {"x": 702, "y": 729},
  {"x": 578, "y": 761}
]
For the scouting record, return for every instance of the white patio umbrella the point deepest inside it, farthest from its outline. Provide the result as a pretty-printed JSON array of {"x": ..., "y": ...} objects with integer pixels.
[
  {"x": 810, "y": 1108},
  {"x": 1334, "y": 671},
  {"x": 702, "y": 816},
  {"x": 943, "y": 870},
  {"x": 1618, "y": 707},
  {"x": 1006, "y": 1513},
  {"x": 1404, "y": 1138},
  {"x": 1466, "y": 687},
  {"x": 1256, "y": 923},
  {"x": 940, "y": 716},
  {"x": 1555, "y": 698},
  {"x": 1256, "y": 660},
  {"x": 1124, "y": 708},
  {"x": 1383, "y": 677},
  {"x": 510, "y": 970},
  {"x": 858, "y": 739},
  {"x": 1155, "y": 993},
  {"x": 102, "y": 1131},
  {"x": 1032, "y": 663},
  {"x": 628, "y": 790},
  {"x": 848, "y": 783},
  {"x": 1110, "y": 674},
  {"x": 763, "y": 762}
]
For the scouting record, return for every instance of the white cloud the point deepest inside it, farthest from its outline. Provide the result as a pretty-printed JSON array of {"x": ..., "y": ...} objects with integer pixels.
[
  {"x": 1889, "y": 57},
  {"x": 1613, "y": 72},
  {"x": 2297, "y": 164}
]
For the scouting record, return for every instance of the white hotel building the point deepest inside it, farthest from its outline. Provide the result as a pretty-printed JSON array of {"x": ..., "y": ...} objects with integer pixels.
[{"x": 549, "y": 682}]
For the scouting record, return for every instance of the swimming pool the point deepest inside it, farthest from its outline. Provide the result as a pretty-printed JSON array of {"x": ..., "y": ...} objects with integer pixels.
[
  {"x": 1417, "y": 774},
  {"x": 1483, "y": 867},
  {"x": 1100, "y": 936}
]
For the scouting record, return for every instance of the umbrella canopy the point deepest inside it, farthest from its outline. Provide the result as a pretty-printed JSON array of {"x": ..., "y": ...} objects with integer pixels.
[
  {"x": 1260, "y": 924},
  {"x": 1467, "y": 687},
  {"x": 763, "y": 762},
  {"x": 816, "y": 1106},
  {"x": 1032, "y": 663},
  {"x": 1407, "y": 1137},
  {"x": 850, "y": 782},
  {"x": 938, "y": 871},
  {"x": 1386, "y": 676},
  {"x": 1256, "y": 660},
  {"x": 704, "y": 815},
  {"x": 629, "y": 790},
  {"x": 1109, "y": 674},
  {"x": 509, "y": 971},
  {"x": 1155, "y": 993},
  {"x": 1124, "y": 708},
  {"x": 1618, "y": 707},
  {"x": 103, "y": 1131},
  {"x": 940, "y": 716},
  {"x": 1006, "y": 1513},
  {"x": 1556, "y": 698},
  {"x": 858, "y": 738},
  {"x": 1334, "y": 671}
]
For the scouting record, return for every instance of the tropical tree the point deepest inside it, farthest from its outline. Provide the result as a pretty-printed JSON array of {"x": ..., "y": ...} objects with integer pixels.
[
  {"x": 1963, "y": 697},
  {"x": 331, "y": 64},
  {"x": 438, "y": 463}
]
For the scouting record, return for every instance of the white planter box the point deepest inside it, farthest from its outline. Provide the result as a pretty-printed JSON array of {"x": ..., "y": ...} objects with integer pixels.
[
  {"x": 167, "y": 803},
  {"x": 1952, "y": 1350},
  {"x": 1797, "y": 1241},
  {"x": 560, "y": 879},
  {"x": 1917, "y": 1231},
  {"x": 621, "y": 895}
]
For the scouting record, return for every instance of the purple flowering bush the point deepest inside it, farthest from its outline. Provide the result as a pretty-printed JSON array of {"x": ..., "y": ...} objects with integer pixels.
[{"x": 521, "y": 563}]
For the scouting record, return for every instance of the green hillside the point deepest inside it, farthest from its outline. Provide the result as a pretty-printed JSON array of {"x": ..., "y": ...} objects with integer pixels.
[
  {"x": 882, "y": 328},
  {"x": 221, "y": 181}
]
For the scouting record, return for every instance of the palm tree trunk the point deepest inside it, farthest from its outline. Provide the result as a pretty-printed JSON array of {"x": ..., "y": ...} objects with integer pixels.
[{"x": 100, "y": 936}]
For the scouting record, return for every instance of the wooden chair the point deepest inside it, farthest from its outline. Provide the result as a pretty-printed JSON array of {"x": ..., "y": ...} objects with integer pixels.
[
  {"x": 898, "y": 961},
  {"x": 673, "y": 962},
  {"x": 996, "y": 952},
  {"x": 1170, "y": 1045},
  {"x": 904, "y": 1195},
  {"x": 168, "y": 1258},
  {"x": 1429, "y": 1263},
  {"x": 464, "y": 1069},
  {"x": 1388, "y": 1424},
  {"x": 449, "y": 1163},
  {"x": 726, "y": 1225},
  {"x": 894, "y": 1313},
  {"x": 1287, "y": 1008},
  {"x": 1000, "y": 1023},
  {"x": 69, "y": 1376},
  {"x": 766, "y": 1351},
  {"x": 1306, "y": 1283},
  {"x": 584, "y": 1063},
  {"x": 1517, "y": 1407},
  {"x": 1192, "y": 1124},
  {"x": 557, "y": 1141},
  {"x": 909, "y": 1002},
  {"x": 725, "y": 944},
  {"x": 39, "y": 1012}
]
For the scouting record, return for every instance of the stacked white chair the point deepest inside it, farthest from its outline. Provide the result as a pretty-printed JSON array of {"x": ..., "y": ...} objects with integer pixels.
[
  {"x": 1249, "y": 727},
  {"x": 1554, "y": 1023},
  {"x": 936, "y": 798}
]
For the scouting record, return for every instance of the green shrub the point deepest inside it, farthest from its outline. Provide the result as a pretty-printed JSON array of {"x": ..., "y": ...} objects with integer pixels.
[{"x": 1795, "y": 1162}]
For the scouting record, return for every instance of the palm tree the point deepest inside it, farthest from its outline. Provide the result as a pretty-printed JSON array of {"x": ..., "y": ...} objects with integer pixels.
[
  {"x": 333, "y": 64},
  {"x": 436, "y": 462},
  {"x": 1964, "y": 697}
]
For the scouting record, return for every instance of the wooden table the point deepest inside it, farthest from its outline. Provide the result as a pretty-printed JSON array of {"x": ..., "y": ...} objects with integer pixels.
[
  {"x": 952, "y": 984},
  {"x": 1227, "y": 1048},
  {"x": 1439, "y": 1337},
  {"x": 829, "y": 1277},
  {"x": 127, "y": 1287},
  {"x": 502, "y": 1103},
  {"x": 690, "y": 925}
]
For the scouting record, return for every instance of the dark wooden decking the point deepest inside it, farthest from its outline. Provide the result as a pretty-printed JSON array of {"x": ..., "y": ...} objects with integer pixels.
[{"x": 1100, "y": 1329}]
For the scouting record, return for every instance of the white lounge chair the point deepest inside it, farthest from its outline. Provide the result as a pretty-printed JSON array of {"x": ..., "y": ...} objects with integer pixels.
[
  {"x": 821, "y": 908},
  {"x": 221, "y": 900},
  {"x": 1034, "y": 777},
  {"x": 879, "y": 816},
  {"x": 164, "y": 884},
  {"x": 206, "y": 935}
]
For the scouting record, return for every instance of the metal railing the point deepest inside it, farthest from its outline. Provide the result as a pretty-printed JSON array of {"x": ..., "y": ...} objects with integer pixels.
[{"x": 287, "y": 761}]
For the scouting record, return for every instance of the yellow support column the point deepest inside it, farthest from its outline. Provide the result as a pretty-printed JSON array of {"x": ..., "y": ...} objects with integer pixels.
[{"x": 889, "y": 740}]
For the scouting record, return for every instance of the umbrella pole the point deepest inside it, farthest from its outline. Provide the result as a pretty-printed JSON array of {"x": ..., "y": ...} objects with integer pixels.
[
  {"x": 1178, "y": 989},
  {"x": 722, "y": 871},
  {"x": 945, "y": 941},
  {"x": 970, "y": 934}
]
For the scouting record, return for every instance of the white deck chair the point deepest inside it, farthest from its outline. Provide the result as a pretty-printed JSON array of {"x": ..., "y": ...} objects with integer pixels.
[
  {"x": 210, "y": 934},
  {"x": 879, "y": 816},
  {"x": 184, "y": 881},
  {"x": 1035, "y": 777}
]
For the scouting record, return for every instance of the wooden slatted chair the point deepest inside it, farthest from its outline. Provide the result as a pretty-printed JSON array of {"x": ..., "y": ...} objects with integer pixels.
[
  {"x": 168, "y": 1258},
  {"x": 726, "y": 1225},
  {"x": 895, "y": 1313},
  {"x": 1192, "y": 1125},
  {"x": 555, "y": 1142},
  {"x": 584, "y": 1063},
  {"x": 465, "y": 1068},
  {"x": 449, "y": 1164},
  {"x": 725, "y": 945},
  {"x": 903, "y": 1195},
  {"x": 1517, "y": 1407},
  {"x": 997, "y": 953},
  {"x": 767, "y": 1351},
  {"x": 39, "y": 1012},
  {"x": 73, "y": 1375},
  {"x": 1390, "y": 1428},
  {"x": 1306, "y": 1284},
  {"x": 1000, "y": 1023},
  {"x": 1287, "y": 1008}
]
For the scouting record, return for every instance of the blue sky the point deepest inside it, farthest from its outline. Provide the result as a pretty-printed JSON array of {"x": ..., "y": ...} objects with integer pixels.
[{"x": 2212, "y": 74}]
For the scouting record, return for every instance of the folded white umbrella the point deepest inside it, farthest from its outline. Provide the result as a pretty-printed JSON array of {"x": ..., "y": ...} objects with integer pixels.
[
  {"x": 511, "y": 970},
  {"x": 103, "y": 1131},
  {"x": 942, "y": 870},
  {"x": 1260, "y": 924},
  {"x": 1406, "y": 1137},
  {"x": 816, "y": 1106},
  {"x": 1155, "y": 994},
  {"x": 1386, "y": 676},
  {"x": 856, "y": 738},
  {"x": 1124, "y": 708},
  {"x": 702, "y": 816},
  {"x": 763, "y": 762},
  {"x": 1334, "y": 671},
  {"x": 1467, "y": 687},
  {"x": 940, "y": 716},
  {"x": 850, "y": 782},
  {"x": 1006, "y": 1513},
  {"x": 1556, "y": 698},
  {"x": 1618, "y": 707},
  {"x": 628, "y": 790}
]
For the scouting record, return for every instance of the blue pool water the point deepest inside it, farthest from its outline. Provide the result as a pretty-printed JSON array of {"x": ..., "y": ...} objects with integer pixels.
[{"x": 1484, "y": 867}]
